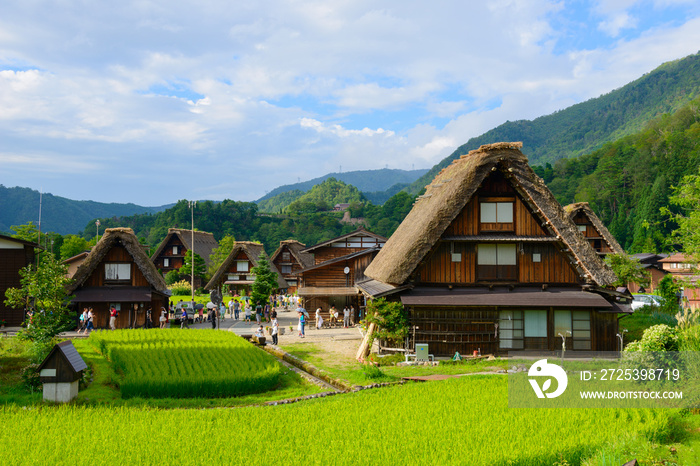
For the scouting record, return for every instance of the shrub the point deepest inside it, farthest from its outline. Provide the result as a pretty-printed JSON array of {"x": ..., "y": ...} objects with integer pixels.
[
  {"x": 656, "y": 338},
  {"x": 172, "y": 277},
  {"x": 182, "y": 287}
]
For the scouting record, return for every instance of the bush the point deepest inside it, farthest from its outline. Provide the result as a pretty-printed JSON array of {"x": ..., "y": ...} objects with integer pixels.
[
  {"x": 657, "y": 338},
  {"x": 690, "y": 339},
  {"x": 182, "y": 287},
  {"x": 172, "y": 277}
]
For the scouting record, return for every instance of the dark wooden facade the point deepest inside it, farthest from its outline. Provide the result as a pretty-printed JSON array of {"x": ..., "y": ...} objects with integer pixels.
[
  {"x": 15, "y": 254},
  {"x": 326, "y": 283},
  {"x": 238, "y": 275},
  {"x": 289, "y": 261},
  {"x": 131, "y": 296},
  {"x": 172, "y": 256}
]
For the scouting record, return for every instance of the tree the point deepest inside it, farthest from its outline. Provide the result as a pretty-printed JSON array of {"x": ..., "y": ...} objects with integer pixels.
[
  {"x": 199, "y": 265},
  {"x": 43, "y": 292},
  {"x": 265, "y": 281},
  {"x": 73, "y": 245},
  {"x": 627, "y": 270},
  {"x": 687, "y": 198},
  {"x": 219, "y": 255},
  {"x": 390, "y": 318},
  {"x": 28, "y": 232}
]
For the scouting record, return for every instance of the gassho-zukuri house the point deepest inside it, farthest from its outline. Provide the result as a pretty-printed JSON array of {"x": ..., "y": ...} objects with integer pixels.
[
  {"x": 237, "y": 269},
  {"x": 590, "y": 226},
  {"x": 488, "y": 260},
  {"x": 118, "y": 272}
]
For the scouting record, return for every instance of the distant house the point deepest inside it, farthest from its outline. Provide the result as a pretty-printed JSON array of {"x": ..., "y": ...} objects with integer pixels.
[
  {"x": 237, "y": 269},
  {"x": 118, "y": 272},
  {"x": 651, "y": 263},
  {"x": 170, "y": 254},
  {"x": 593, "y": 229},
  {"x": 15, "y": 254},
  {"x": 338, "y": 265},
  {"x": 74, "y": 262},
  {"x": 683, "y": 267},
  {"x": 289, "y": 260},
  {"x": 340, "y": 207},
  {"x": 488, "y": 260}
]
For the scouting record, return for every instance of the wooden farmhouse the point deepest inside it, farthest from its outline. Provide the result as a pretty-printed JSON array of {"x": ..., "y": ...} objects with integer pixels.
[
  {"x": 488, "y": 260},
  {"x": 15, "y": 254},
  {"x": 684, "y": 268},
  {"x": 170, "y": 254},
  {"x": 650, "y": 263},
  {"x": 118, "y": 272},
  {"x": 289, "y": 260},
  {"x": 593, "y": 229},
  {"x": 237, "y": 270},
  {"x": 338, "y": 265}
]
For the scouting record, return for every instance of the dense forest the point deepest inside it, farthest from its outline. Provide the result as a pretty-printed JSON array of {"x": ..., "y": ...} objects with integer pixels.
[{"x": 628, "y": 181}]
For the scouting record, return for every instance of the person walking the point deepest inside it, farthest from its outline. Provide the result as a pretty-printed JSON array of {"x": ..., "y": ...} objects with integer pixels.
[
  {"x": 258, "y": 313},
  {"x": 90, "y": 321},
  {"x": 236, "y": 308},
  {"x": 318, "y": 316},
  {"x": 149, "y": 323},
  {"x": 267, "y": 313},
  {"x": 83, "y": 320},
  {"x": 275, "y": 330},
  {"x": 162, "y": 318},
  {"x": 184, "y": 319},
  {"x": 248, "y": 311},
  {"x": 352, "y": 315},
  {"x": 214, "y": 316},
  {"x": 346, "y": 317}
]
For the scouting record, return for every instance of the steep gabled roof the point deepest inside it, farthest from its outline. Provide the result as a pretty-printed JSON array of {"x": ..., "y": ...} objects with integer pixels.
[
  {"x": 295, "y": 247},
  {"x": 204, "y": 243},
  {"x": 253, "y": 251},
  {"x": 585, "y": 209},
  {"x": 359, "y": 232},
  {"x": 450, "y": 192},
  {"x": 126, "y": 238}
]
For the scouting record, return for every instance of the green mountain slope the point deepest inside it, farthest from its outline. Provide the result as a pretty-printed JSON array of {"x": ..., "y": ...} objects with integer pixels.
[
  {"x": 587, "y": 126},
  {"x": 58, "y": 214},
  {"x": 364, "y": 180}
]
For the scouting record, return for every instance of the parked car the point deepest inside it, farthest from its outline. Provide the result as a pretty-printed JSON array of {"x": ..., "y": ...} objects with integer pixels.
[
  {"x": 641, "y": 300},
  {"x": 190, "y": 312}
]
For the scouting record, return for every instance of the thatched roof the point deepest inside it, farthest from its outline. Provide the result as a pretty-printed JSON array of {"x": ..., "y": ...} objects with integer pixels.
[
  {"x": 253, "y": 251},
  {"x": 583, "y": 207},
  {"x": 204, "y": 243},
  {"x": 295, "y": 247},
  {"x": 450, "y": 192},
  {"x": 123, "y": 237}
]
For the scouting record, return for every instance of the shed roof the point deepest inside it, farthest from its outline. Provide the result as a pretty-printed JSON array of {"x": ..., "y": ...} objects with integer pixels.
[
  {"x": 449, "y": 193},
  {"x": 66, "y": 350}
]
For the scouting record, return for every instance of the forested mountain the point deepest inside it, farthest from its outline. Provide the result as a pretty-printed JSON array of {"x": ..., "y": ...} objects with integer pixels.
[
  {"x": 587, "y": 126},
  {"x": 242, "y": 221},
  {"x": 628, "y": 181},
  {"x": 21, "y": 205},
  {"x": 322, "y": 197},
  {"x": 364, "y": 180}
]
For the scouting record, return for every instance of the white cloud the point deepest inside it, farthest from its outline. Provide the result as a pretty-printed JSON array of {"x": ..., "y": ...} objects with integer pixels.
[{"x": 264, "y": 94}]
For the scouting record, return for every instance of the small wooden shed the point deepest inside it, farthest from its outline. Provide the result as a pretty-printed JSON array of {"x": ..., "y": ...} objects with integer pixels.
[{"x": 61, "y": 371}]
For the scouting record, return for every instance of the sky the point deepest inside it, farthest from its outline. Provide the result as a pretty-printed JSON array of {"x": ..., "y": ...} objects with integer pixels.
[{"x": 154, "y": 101}]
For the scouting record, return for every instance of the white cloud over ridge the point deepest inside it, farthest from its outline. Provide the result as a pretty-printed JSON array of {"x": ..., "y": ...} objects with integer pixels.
[{"x": 246, "y": 97}]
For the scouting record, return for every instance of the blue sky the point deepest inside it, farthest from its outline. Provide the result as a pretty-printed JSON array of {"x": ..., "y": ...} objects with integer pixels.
[{"x": 153, "y": 101}]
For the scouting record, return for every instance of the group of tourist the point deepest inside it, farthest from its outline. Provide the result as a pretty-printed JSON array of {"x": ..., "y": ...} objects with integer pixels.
[{"x": 87, "y": 321}]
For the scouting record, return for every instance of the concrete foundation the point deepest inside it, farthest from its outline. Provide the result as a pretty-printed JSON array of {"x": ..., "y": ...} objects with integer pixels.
[{"x": 60, "y": 392}]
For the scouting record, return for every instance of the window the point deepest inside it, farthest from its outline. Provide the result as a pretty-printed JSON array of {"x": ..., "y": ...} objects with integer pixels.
[
  {"x": 581, "y": 321},
  {"x": 233, "y": 277},
  {"x": 510, "y": 330},
  {"x": 286, "y": 257},
  {"x": 117, "y": 272},
  {"x": 562, "y": 323},
  {"x": 496, "y": 262},
  {"x": 166, "y": 262},
  {"x": 174, "y": 250},
  {"x": 582, "y": 228},
  {"x": 536, "y": 257},
  {"x": 496, "y": 212},
  {"x": 535, "y": 324},
  {"x": 242, "y": 266},
  {"x": 286, "y": 269}
]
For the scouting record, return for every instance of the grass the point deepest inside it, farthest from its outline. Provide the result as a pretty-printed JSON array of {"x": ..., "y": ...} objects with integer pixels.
[{"x": 642, "y": 319}]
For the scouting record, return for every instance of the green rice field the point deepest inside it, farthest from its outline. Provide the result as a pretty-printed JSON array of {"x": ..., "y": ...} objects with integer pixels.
[
  {"x": 458, "y": 421},
  {"x": 182, "y": 363}
]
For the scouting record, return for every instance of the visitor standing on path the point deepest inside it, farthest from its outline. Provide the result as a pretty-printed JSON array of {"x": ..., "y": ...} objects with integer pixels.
[
  {"x": 258, "y": 313},
  {"x": 346, "y": 317},
  {"x": 113, "y": 318},
  {"x": 275, "y": 330},
  {"x": 214, "y": 316},
  {"x": 162, "y": 319},
  {"x": 302, "y": 324}
]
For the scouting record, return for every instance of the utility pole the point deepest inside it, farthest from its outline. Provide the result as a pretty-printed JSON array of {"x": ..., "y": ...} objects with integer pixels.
[{"x": 192, "y": 205}]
